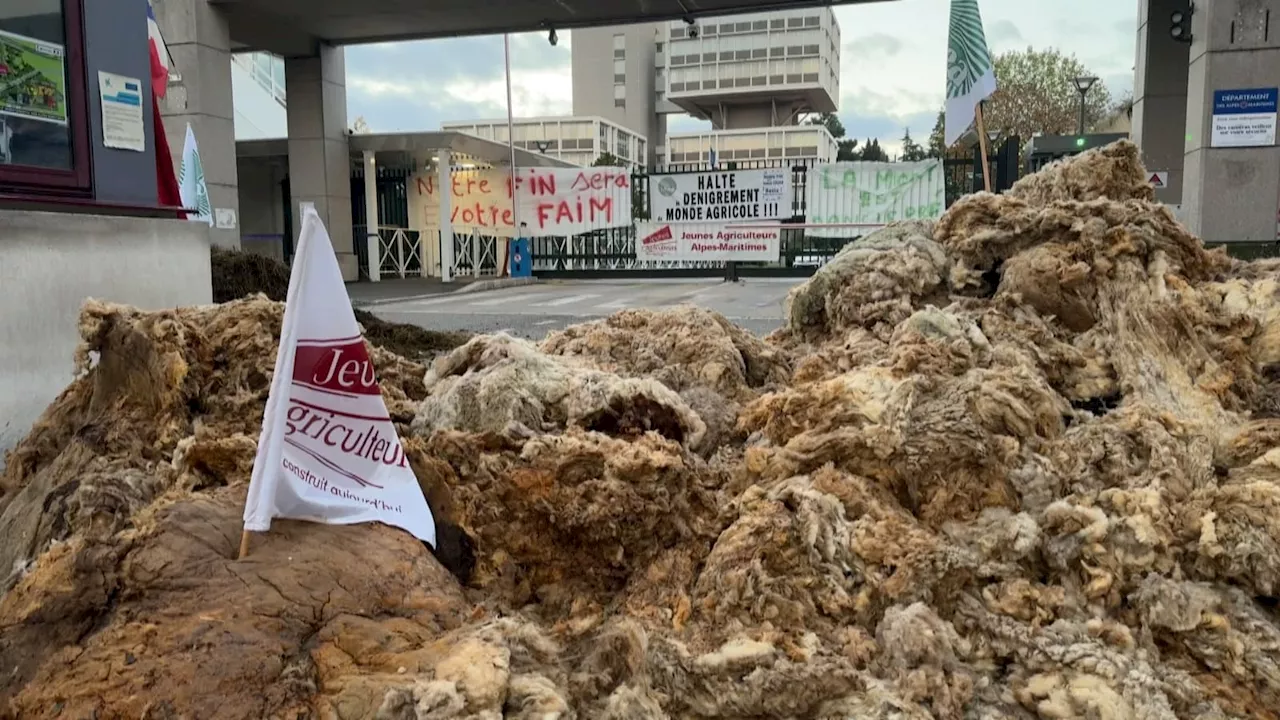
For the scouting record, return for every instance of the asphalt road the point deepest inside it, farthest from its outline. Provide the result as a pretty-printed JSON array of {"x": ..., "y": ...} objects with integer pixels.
[{"x": 533, "y": 311}]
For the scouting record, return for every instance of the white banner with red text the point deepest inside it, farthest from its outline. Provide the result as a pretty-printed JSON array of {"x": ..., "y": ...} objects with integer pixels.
[
  {"x": 552, "y": 201},
  {"x": 328, "y": 451},
  {"x": 685, "y": 242}
]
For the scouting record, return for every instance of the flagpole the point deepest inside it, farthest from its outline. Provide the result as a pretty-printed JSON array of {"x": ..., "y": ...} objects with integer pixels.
[
  {"x": 982, "y": 145},
  {"x": 511, "y": 142}
]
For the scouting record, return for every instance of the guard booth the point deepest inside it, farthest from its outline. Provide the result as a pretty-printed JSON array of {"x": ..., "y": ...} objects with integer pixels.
[{"x": 1045, "y": 149}]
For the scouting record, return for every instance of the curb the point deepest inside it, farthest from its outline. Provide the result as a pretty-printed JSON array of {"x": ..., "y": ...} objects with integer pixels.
[
  {"x": 495, "y": 284},
  {"x": 474, "y": 287}
]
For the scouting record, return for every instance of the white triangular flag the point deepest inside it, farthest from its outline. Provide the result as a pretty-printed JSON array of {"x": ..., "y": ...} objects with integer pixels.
[
  {"x": 328, "y": 451},
  {"x": 191, "y": 185},
  {"x": 971, "y": 77}
]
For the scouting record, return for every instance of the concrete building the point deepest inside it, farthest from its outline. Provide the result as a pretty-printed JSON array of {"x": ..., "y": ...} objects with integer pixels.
[
  {"x": 753, "y": 76},
  {"x": 1226, "y": 193},
  {"x": 579, "y": 140},
  {"x": 619, "y": 71},
  {"x": 795, "y": 142}
]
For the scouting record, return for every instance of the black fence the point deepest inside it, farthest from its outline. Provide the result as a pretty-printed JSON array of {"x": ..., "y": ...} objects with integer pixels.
[{"x": 611, "y": 251}]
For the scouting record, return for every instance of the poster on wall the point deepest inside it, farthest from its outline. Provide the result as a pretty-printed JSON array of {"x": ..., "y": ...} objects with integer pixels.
[
  {"x": 734, "y": 195},
  {"x": 869, "y": 195},
  {"x": 1244, "y": 118},
  {"x": 551, "y": 201},
  {"x": 33, "y": 82},
  {"x": 691, "y": 242},
  {"x": 122, "y": 126}
]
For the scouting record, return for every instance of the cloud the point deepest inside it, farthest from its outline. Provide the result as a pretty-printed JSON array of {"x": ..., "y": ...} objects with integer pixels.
[
  {"x": 1002, "y": 33},
  {"x": 877, "y": 43}
]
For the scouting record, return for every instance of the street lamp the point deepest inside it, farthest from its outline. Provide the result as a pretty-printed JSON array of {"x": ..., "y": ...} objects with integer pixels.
[
  {"x": 542, "y": 145},
  {"x": 1082, "y": 85}
]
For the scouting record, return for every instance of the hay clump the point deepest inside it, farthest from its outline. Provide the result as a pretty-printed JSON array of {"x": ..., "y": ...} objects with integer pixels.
[{"x": 1020, "y": 462}]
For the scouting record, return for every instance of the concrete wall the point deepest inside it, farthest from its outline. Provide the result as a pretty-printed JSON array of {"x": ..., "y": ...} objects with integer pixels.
[
  {"x": 262, "y": 205},
  {"x": 592, "y": 74},
  {"x": 51, "y": 262},
  {"x": 200, "y": 42},
  {"x": 1160, "y": 94},
  {"x": 116, "y": 42},
  {"x": 319, "y": 148},
  {"x": 1231, "y": 194}
]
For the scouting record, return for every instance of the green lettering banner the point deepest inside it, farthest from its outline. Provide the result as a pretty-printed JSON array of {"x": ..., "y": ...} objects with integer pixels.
[{"x": 865, "y": 196}]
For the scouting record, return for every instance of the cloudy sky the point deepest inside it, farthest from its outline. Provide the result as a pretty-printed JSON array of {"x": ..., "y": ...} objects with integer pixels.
[{"x": 892, "y": 66}]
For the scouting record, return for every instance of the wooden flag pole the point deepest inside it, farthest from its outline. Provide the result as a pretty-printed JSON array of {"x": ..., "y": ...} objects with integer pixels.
[
  {"x": 244, "y": 545},
  {"x": 982, "y": 145}
]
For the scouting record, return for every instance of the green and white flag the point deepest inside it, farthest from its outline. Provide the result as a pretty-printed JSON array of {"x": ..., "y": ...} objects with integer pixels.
[
  {"x": 971, "y": 77},
  {"x": 191, "y": 185}
]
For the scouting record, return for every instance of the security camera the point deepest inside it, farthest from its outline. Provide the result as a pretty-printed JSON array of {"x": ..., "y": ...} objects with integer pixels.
[
  {"x": 693, "y": 31},
  {"x": 553, "y": 38}
]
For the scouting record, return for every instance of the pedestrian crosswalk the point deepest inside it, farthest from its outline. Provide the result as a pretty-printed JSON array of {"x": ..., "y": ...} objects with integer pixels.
[{"x": 761, "y": 299}]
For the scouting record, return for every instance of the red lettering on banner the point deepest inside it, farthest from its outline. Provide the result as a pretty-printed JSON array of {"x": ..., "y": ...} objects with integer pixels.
[
  {"x": 344, "y": 369},
  {"x": 601, "y": 180}
]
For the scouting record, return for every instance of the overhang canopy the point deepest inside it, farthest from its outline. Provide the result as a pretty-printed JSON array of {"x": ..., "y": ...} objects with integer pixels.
[
  {"x": 413, "y": 149},
  {"x": 293, "y": 28}
]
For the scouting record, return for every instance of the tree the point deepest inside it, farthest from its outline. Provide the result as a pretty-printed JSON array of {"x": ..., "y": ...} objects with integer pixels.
[
  {"x": 831, "y": 120},
  {"x": 872, "y": 152},
  {"x": 359, "y": 126},
  {"x": 936, "y": 136},
  {"x": 911, "y": 150},
  {"x": 608, "y": 159},
  {"x": 1036, "y": 93},
  {"x": 845, "y": 149}
]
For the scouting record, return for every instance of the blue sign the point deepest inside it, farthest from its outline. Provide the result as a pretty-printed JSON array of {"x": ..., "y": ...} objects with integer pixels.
[
  {"x": 1245, "y": 102},
  {"x": 520, "y": 264}
]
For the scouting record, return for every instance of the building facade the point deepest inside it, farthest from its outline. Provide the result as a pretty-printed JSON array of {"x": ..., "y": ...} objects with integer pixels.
[
  {"x": 621, "y": 77},
  {"x": 798, "y": 143},
  {"x": 579, "y": 140},
  {"x": 752, "y": 76}
]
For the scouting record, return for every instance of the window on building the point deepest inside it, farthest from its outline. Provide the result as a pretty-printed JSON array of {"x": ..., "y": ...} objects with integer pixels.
[
  {"x": 619, "y": 42},
  {"x": 812, "y": 21},
  {"x": 44, "y": 131}
]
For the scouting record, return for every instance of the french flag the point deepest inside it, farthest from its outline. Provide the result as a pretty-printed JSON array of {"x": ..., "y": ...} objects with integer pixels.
[
  {"x": 166, "y": 179},
  {"x": 159, "y": 54}
]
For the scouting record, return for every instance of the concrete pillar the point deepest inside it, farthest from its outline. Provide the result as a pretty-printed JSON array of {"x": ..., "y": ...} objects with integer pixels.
[
  {"x": 200, "y": 43},
  {"x": 444, "y": 183},
  {"x": 371, "y": 219},
  {"x": 1160, "y": 95},
  {"x": 319, "y": 151},
  {"x": 1231, "y": 194}
]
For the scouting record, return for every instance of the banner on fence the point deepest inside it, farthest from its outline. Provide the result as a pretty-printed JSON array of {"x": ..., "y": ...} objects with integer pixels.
[
  {"x": 480, "y": 201},
  {"x": 728, "y": 196},
  {"x": 572, "y": 201},
  {"x": 706, "y": 242},
  {"x": 551, "y": 201},
  {"x": 872, "y": 193}
]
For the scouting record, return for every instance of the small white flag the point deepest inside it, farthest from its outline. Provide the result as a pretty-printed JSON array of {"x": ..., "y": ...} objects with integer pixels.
[
  {"x": 971, "y": 76},
  {"x": 191, "y": 186},
  {"x": 328, "y": 451}
]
